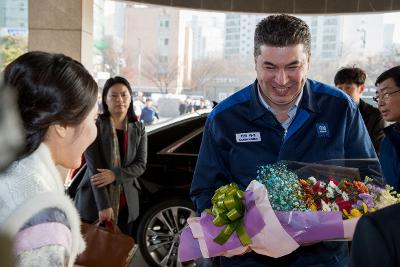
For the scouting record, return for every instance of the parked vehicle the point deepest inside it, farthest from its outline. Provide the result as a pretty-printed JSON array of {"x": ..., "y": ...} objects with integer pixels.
[
  {"x": 173, "y": 148},
  {"x": 165, "y": 206}
]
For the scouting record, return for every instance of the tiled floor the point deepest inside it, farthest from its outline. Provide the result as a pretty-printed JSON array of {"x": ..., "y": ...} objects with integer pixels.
[{"x": 138, "y": 260}]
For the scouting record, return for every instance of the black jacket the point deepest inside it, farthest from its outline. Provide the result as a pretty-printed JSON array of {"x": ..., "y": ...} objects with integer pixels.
[
  {"x": 376, "y": 240},
  {"x": 374, "y": 122},
  {"x": 89, "y": 199}
]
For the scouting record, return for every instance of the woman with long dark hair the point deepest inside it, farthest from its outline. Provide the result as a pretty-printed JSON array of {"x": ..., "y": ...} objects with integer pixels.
[
  {"x": 109, "y": 189},
  {"x": 56, "y": 99}
]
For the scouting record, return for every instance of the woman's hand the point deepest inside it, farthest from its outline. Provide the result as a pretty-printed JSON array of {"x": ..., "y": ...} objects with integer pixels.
[
  {"x": 106, "y": 215},
  {"x": 103, "y": 178}
]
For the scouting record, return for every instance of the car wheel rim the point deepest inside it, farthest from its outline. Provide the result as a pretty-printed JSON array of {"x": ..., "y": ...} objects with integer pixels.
[{"x": 162, "y": 235}]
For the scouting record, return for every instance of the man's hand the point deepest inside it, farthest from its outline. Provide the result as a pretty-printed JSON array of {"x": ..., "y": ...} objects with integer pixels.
[
  {"x": 103, "y": 178},
  {"x": 106, "y": 215}
]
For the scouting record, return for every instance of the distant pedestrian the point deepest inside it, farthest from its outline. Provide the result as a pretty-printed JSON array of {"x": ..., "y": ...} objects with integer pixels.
[
  {"x": 182, "y": 107},
  {"x": 189, "y": 105},
  {"x": 149, "y": 113},
  {"x": 138, "y": 105}
]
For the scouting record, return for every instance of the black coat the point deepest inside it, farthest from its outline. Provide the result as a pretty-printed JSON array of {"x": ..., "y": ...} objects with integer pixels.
[
  {"x": 376, "y": 240},
  {"x": 374, "y": 122},
  {"x": 89, "y": 199}
]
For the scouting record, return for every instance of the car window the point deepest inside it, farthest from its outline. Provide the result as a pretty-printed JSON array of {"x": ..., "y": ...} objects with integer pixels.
[
  {"x": 187, "y": 145},
  {"x": 192, "y": 146}
]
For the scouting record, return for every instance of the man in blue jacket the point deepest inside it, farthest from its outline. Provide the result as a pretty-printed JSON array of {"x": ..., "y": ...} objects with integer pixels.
[
  {"x": 281, "y": 116},
  {"x": 388, "y": 98}
]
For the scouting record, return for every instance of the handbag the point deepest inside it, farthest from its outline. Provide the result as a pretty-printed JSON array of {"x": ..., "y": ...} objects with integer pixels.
[{"x": 105, "y": 246}]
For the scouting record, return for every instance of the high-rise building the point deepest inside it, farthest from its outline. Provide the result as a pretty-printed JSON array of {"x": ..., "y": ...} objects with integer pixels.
[
  {"x": 156, "y": 43},
  {"x": 208, "y": 33},
  {"x": 326, "y": 37},
  {"x": 108, "y": 35},
  {"x": 239, "y": 35}
]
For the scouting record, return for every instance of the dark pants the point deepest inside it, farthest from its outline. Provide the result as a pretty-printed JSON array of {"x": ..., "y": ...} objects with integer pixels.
[{"x": 126, "y": 228}]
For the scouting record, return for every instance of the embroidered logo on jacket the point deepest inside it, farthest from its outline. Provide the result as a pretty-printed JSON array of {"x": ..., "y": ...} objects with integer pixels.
[
  {"x": 248, "y": 137},
  {"x": 322, "y": 129}
]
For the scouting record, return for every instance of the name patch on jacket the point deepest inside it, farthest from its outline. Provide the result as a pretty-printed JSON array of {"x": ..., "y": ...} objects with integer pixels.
[
  {"x": 248, "y": 137},
  {"x": 322, "y": 129}
]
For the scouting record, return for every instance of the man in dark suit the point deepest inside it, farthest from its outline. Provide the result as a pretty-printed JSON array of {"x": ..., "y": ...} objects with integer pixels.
[
  {"x": 351, "y": 80},
  {"x": 376, "y": 241}
]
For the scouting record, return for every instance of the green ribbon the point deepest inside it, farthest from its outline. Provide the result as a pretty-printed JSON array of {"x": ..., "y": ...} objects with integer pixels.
[{"x": 228, "y": 209}]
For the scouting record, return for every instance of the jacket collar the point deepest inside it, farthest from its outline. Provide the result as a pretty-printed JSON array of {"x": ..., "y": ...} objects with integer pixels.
[{"x": 307, "y": 101}]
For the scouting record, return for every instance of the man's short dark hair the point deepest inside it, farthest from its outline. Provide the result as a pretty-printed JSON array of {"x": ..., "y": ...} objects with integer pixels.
[
  {"x": 393, "y": 73},
  {"x": 281, "y": 30},
  {"x": 350, "y": 75}
]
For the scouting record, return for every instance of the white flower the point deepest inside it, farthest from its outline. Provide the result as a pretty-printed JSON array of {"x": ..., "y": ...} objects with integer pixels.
[
  {"x": 325, "y": 207},
  {"x": 312, "y": 180},
  {"x": 385, "y": 199},
  {"x": 332, "y": 184},
  {"x": 334, "y": 206},
  {"x": 322, "y": 184},
  {"x": 345, "y": 196},
  {"x": 330, "y": 192}
]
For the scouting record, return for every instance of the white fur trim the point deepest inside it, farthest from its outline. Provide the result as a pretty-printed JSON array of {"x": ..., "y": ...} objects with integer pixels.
[{"x": 42, "y": 201}]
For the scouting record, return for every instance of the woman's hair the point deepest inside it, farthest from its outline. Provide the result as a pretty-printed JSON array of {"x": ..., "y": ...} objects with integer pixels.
[
  {"x": 110, "y": 83},
  {"x": 52, "y": 89}
]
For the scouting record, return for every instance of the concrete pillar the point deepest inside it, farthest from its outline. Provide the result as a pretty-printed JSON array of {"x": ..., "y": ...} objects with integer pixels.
[{"x": 62, "y": 26}]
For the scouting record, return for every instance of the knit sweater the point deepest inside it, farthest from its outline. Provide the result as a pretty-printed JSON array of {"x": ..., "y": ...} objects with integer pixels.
[{"x": 35, "y": 211}]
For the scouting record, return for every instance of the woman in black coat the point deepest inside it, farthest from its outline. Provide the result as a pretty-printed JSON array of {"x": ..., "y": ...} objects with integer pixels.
[{"x": 109, "y": 188}]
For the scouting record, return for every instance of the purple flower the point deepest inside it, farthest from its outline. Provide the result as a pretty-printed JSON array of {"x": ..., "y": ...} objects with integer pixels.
[{"x": 367, "y": 199}]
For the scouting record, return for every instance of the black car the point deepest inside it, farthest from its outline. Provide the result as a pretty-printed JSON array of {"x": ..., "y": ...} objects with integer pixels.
[
  {"x": 165, "y": 206},
  {"x": 173, "y": 148}
]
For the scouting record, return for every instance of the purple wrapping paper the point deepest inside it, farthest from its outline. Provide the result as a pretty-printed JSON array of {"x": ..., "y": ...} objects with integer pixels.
[
  {"x": 189, "y": 248},
  {"x": 273, "y": 233},
  {"x": 252, "y": 222},
  {"x": 307, "y": 227}
]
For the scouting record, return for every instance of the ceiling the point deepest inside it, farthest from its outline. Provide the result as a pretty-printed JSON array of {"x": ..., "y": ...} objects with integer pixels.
[{"x": 285, "y": 6}]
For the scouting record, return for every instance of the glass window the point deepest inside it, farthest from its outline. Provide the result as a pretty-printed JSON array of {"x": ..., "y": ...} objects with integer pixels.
[
  {"x": 199, "y": 49},
  {"x": 13, "y": 30}
]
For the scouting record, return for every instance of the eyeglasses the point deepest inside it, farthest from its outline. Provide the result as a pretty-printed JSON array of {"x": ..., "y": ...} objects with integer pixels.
[{"x": 384, "y": 97}]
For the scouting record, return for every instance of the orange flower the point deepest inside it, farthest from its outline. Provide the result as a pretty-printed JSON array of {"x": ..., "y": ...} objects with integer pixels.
[
  {"x": 303, "y": 183},
  {"x": 360, "y": 187}
]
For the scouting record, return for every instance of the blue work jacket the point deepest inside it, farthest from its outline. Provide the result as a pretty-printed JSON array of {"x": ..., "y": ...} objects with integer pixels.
[
  {"x": 241, "y": 134},
  {"x": 390, "y": 155}
]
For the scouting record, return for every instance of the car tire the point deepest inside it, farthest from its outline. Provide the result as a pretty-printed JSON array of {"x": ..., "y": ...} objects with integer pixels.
[{"x": 159, "y": 231}]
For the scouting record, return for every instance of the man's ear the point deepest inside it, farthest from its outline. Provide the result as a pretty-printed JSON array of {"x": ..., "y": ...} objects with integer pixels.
[
  {"x": 361, "y": 88},
  {"x": 59, "y": 130}
]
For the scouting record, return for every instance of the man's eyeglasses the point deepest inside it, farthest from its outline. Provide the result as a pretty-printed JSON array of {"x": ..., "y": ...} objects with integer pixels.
[{"x": 384, "y": 96}]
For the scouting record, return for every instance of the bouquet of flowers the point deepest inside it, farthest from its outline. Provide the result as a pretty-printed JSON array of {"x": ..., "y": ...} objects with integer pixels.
[{"x": 289, "y": 204}]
